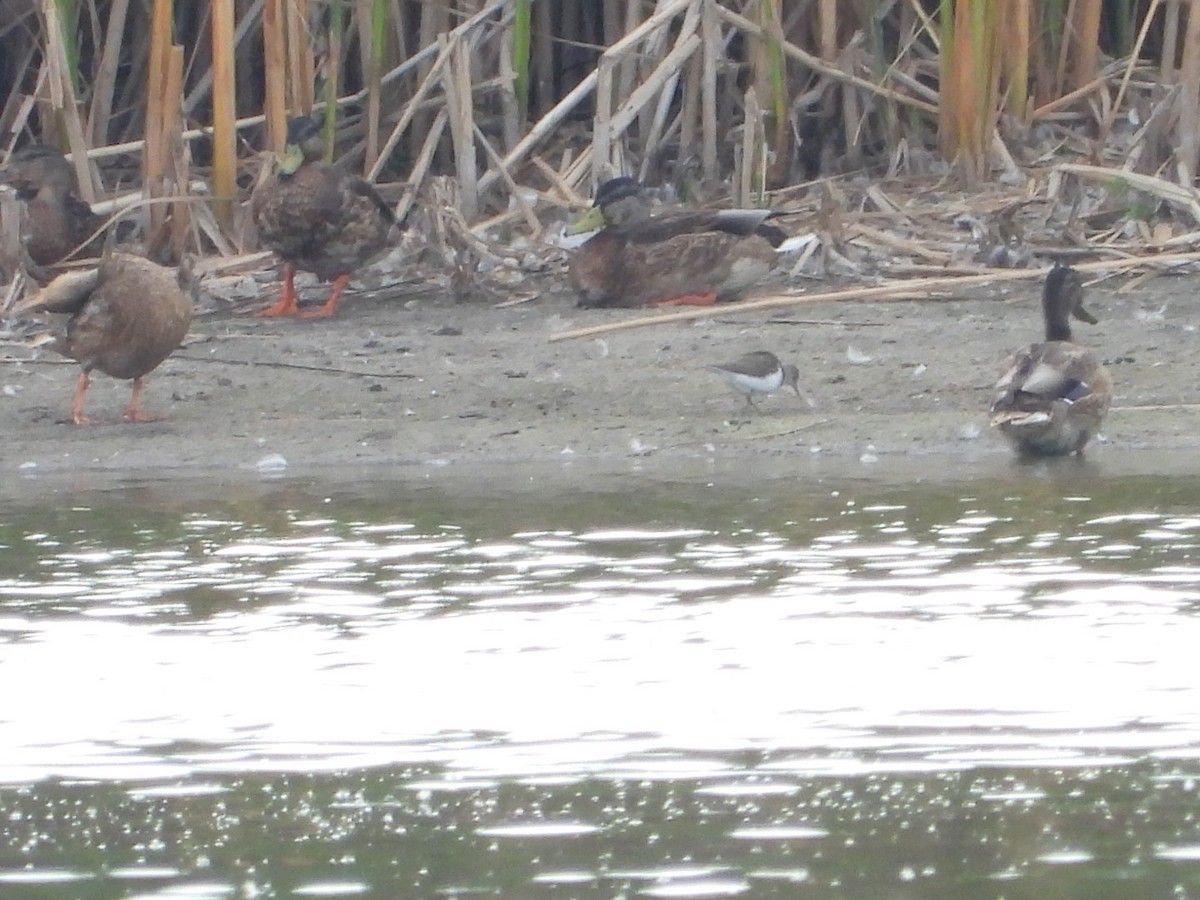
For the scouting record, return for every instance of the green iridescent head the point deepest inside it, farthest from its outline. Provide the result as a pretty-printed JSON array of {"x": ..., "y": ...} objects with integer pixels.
[
  {"x": 609, "y": 206},
  {"x": 303, "y": 143}
]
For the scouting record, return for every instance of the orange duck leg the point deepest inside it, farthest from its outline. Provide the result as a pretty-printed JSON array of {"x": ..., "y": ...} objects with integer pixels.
[
  {"x": 135, "y": 413},
  {"x": 331, "y": 305},
  {"x": 286, "y": 304},
  {"x": 81, "y": 386}
]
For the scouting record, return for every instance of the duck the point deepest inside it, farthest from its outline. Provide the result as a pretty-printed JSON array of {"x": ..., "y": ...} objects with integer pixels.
[
  {"x": 126, "y": 315},
  {"x": 55, "y": 221},
  {"x": 759, "y": 372},
  {"x": 679, "y": 257},
  {"x": 318, "y": 218},
  {"x": 1054, "y": 394}
]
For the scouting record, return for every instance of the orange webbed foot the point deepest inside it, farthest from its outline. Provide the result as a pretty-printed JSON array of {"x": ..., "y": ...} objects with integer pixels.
[
  {"x": 320, "y": 313},
  {"x": 331, "y": 305},
  {"x": 286, "y": 304}
]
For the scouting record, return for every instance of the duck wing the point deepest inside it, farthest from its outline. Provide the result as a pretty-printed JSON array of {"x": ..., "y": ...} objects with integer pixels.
[
  {"x": 738, "y": 222},
  {"x": 1044, "y": 373}
]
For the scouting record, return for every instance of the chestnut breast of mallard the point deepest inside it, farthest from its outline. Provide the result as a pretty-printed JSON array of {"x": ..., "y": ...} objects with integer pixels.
[{"x": 322, "y": 219}]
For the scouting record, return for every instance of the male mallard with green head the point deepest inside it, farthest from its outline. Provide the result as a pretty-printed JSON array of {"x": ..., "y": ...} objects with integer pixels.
[
  {"x": 318, "y": 218},
  {"x": 55, "y": 222},
  {"x": 679, "y": 257},
  {"x": 1056, "y": 393},
  {"x": 126, "y": 316}
]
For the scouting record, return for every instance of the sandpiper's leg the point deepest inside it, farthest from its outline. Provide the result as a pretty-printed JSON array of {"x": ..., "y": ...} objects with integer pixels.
[
  {"x": 703, "y": 299},
  {"x": 135, "y": 413},
  {"x": 81, "y": 386},
  {"x": 286, "y": 304},
  {"x": 331, "y": 305}
]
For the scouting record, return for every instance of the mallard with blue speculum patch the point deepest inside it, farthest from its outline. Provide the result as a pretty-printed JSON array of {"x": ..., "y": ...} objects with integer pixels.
[
  {"x": 55, "y": 222},
  {"x": 1054, "y": 395},
  {"x": 318, "y": 218},
  {"x": 126, "y": 316},
  {"x": 680, "y": 256}
]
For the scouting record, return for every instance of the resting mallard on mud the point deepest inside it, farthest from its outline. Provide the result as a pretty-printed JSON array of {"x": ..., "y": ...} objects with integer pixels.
[
  {"x": 1055, "y": 394},
  {"x": 55, "y": 222},
  {"x": 318, "y": 218},
  {"x": 696, "y": 257},
  {"x": 126, "y": 316}
]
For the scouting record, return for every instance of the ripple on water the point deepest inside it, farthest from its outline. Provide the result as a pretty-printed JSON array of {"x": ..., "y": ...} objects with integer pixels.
[
  {"x": 331, "y": 889},
  {"x": 537, "y": 829}
]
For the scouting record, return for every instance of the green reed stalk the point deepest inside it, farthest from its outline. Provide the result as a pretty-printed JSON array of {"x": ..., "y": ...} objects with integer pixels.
[
  {"x": 337, "y": 22},
  {"x": 776, "y": 66},
  {"x": 379, "y": 36},
  {"x": 68, "y": 15},
  {"x": 948, "y": 89},
  {"x": 1120, "y": 15},
  {"x": 522, "y": 42}
]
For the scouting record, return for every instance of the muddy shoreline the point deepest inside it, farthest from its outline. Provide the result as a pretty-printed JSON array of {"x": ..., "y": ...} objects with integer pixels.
[{"x": 414, "y": 377}]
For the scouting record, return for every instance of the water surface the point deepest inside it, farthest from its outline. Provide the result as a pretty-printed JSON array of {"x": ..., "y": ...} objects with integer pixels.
[{"x": 652, "y": 683}]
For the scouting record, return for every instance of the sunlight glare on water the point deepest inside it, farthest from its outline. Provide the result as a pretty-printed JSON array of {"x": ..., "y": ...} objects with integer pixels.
[{"x": 357, "y": 643}]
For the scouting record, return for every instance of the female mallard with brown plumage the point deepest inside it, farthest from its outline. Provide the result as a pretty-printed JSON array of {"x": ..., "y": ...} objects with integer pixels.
[
  {"x": 1055, "y": 394},
  {"x": 126, "y": 316},
  {"x": 679, "y": 257},
  {"x": 318, "y": 218},
  {"x": 54, "y": 222}
]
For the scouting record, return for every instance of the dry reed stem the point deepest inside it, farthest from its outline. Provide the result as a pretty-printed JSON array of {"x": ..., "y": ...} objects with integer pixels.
[
  {"x": 748, "y": 156},
  {"x": 816, "y": 64},
  {"x": 1106, "y": 125},
  {"x": 535, "y": 227},
  {"x": 105, "y": 81},
  {"x": 827, "y": 25},
  {"x": 432, "y": 77},
  {"x": 542, "y": 129},
  {"x": 1087, "y": 34},
  {"x": 154, "y": 160},
  {"x": 224, "y": 144},
  {"x": 1170, "y": 42},
  {"x": 1184, "y": 199},
  {"x": 61, "y": 89},
  {"x": 654, "y": 82},
  {"x": 456, "y": 81},
  {"x": 1188, "y": 156},
  {"x": 371, "y": 56},
  {"x": 274, "y": 74},
  {"x": 708, "y": 89},
  {"x": 422, "y": 163},
  {"x": 895, "y": 291},
  {"x": 301, "y": 65},
  {"x": 252, "y": 18},
  {"x": 602, "y": 119},
  {"x": 180, "y": 220}
]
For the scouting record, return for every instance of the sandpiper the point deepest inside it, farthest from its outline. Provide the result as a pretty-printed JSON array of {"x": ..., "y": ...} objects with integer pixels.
[{"x": 759, "y": 372}]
